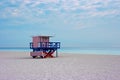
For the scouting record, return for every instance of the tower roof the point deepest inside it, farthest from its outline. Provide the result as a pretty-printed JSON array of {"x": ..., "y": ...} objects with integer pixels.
[{"x": 42, "y": 36}]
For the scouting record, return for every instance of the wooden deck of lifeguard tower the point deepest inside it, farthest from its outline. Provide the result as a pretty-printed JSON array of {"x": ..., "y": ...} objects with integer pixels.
[{"x": 43, "y": 48}]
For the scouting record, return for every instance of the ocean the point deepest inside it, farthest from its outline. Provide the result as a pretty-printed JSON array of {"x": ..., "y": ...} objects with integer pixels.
[
  {"x": 74, "y": 50},
  {"x": 105, "y": 51}
]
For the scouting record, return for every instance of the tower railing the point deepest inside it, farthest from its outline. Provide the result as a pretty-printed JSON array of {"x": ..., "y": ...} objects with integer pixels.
[{"x": 46, "y": 45}]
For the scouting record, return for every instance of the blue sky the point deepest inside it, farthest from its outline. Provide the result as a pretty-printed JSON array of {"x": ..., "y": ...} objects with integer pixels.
[{"x": 80, "y": 23}]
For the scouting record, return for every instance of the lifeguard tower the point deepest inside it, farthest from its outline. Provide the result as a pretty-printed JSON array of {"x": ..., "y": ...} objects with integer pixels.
[{"x": 43, "y": 48}]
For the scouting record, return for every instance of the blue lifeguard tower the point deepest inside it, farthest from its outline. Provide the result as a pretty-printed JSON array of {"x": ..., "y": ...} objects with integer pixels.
[{"x": 42, "y": 47}]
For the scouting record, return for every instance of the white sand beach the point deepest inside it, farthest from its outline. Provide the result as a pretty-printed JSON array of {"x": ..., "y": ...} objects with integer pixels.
[{"x": 20, "y": 66}]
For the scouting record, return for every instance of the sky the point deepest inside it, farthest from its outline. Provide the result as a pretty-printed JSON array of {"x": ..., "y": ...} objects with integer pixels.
[{"x": 75, "y": 23}]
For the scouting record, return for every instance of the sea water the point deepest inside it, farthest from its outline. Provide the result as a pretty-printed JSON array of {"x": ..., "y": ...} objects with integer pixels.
[
  {"x": 106, "y": 51},
  {"x": 73, "y": 50}
]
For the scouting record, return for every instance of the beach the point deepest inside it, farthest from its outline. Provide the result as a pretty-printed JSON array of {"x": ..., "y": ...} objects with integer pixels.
[{"x": 15, "y": 65}]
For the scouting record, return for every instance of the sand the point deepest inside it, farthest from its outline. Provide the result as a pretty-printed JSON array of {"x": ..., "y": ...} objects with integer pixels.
[{"x": 20, "y": 66}]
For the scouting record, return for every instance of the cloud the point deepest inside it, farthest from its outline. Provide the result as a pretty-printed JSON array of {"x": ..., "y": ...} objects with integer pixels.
[
  {"x": 39, "y": 10},
  {"x": 105, "y": 13},
  {"x": 43, "y": 12}
]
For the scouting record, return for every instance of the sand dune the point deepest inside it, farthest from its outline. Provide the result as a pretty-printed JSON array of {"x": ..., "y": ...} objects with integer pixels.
[{"x": 20, "y": 66}]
